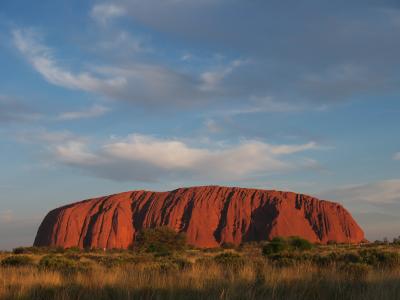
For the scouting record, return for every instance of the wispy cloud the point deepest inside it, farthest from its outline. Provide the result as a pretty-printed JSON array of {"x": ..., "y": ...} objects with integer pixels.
[
  {"x": 377, "y": 193},
  {"x": 124, "y": 42},
  {"x": 396, "y": 156},
  {"x": 91, "y": 112},
  {"x": 28, "y": 42},
  {"x": 105, "y": 12},
  {"x": 137, "y": 82},
  {"x": 321, "y": 64},
  {"x": 261, "y": 105},
  {"x": 376, "y": 205},
  {"x": 212, "y": 79}
]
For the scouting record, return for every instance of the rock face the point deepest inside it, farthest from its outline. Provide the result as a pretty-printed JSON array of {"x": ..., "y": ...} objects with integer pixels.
[{"x": 210, "y": 216}]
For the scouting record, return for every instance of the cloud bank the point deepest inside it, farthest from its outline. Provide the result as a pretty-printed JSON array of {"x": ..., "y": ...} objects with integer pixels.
[{"x": 150, "y": 159}]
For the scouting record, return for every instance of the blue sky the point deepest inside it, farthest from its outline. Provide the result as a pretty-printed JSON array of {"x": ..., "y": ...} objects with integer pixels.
[{"x": 106, "y": 96}]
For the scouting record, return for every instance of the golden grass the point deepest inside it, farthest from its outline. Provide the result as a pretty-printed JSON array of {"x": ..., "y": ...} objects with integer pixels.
[{"x": 204, "y": 278}]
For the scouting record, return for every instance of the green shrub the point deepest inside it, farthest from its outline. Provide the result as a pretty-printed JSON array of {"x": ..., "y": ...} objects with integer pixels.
[
  {"x": 30, "y": 250},
  {"x": 280, "y": 244},
  {"x": 276, "y": 245},
  {"x": 228, "y": 245},
  {"x": 182, "y": 263},
  {"x": 161, "y": 240},
  {"x": 299, "y": 244},
  {"x": 379, "y": 258},
  {"x": 58, "y": 263},
  {"x": 73, "y": 250},
  {"x": 110, "y": 261},
  {"x": 356, "y": 271},
  {"x": 283, "y": 259},
  {"x": 17, "y": 261},
  {"x": 351, "y": 257},
  {"x": 325, "y": 260},
  {"x": 229, "y": 259}
]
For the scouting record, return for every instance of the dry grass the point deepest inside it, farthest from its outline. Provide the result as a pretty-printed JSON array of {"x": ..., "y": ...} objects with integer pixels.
[{"x": 201, "y": 278}]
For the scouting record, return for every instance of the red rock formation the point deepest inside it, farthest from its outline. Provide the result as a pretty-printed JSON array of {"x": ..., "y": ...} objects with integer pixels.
[{"x": 210, "y": 216}]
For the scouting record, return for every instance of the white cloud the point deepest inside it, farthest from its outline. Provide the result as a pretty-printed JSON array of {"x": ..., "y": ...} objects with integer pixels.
[
  {"x": 257, "y": 104},
  {"x": 123, "y": 42},
  {"x": 212, "y": 126},
  {"x": 28, "y": 43},
  {"x": 212, "y": 79},
  {"x": 187, "y": 57},
  {"x": 146, "y": 158},
  {"x": 75, "y": 152},
  {"x": 91, "y": 112},
  {"x": 396, "y": 156},
  {"x": 105, "y": 12}
]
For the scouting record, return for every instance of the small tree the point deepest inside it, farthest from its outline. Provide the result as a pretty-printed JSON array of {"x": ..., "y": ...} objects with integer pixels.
[
  {"x": 300, "y": 244},
  {"x": 276, "y": 245},
  {"x": 160, "y": 240},
  {"x": 280, "y": 244}
]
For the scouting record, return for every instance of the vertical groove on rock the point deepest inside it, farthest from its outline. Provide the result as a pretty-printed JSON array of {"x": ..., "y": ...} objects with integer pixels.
[
  {"x": 224, "y": 217},
  {"x": 87, "y": 243}
]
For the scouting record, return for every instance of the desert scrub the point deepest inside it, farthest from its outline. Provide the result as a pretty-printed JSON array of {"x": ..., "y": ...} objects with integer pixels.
[
  {"x": 356, "y": 271},
  {"x": 380, "y": 258},
  {"x": 280, "y": 244},
  {"x": 299, "y": 244},
  {"x": 62, "y": 264},
  {"x": 162, "y": 241},
  {"x": 287, "y": 259},
  {"x": 17, "y": 261},
  {"x": 209, "y": 275},
  {"x": 115, "y": 260},
  {"x": 229, "y": 259},
  {"x": 325, "y": 260},
  {"x": 39, "y": 250},
  {"x": 276, "y": 245}
]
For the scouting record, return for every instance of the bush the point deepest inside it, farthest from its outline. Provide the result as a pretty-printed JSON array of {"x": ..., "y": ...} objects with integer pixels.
[
  {"x": 356, "y": 271},
  {"x": 283, "y": 259},
  {"x": 182, "y": 263},
  {"x": 161, "y": 241},
  {"x": 17, "y": 261},
  {"x": 276, "y": 245},
  {"x": 300, "y": 244},
  {"x": 73, "y": 250},
  {"x": 38, "y": 250},
  {"x": 111, "y": 261},
  {"x": 279, "y": 244},
  {"x": 325, "y": 260},
  {"x": 29, "y": 250},
  {"x": 351, "y": 258},
  {"x": 378, "y": 258},
  {"x": 228, "y": 245},
  {"x": 58, "y": 263},
  {"x": 229, "y": 259}
]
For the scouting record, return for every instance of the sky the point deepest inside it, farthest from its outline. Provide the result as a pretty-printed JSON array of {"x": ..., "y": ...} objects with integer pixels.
[{"x": 100, "y": 97}]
